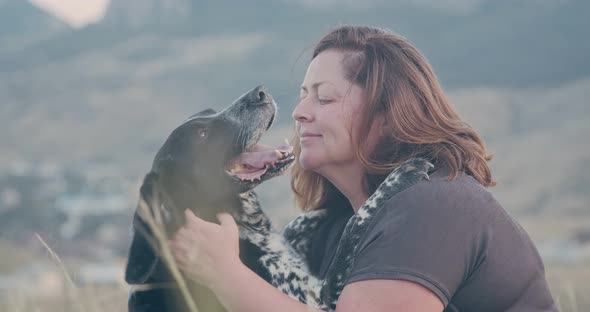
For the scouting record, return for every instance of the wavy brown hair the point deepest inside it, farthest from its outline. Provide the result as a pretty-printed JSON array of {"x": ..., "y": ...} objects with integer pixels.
[{"x": 401, "y": 86}]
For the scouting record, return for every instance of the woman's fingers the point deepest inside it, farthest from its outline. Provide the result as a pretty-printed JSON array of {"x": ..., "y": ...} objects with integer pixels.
[
  {"x": 182, "y": 253},
  {"x": 227, "y": 222},
  {"x": 204, "y": 249},
  {"x": 191, "y": 219},
  {"x": 195, "y": 223},
  {"x": 182, "y": 232}
]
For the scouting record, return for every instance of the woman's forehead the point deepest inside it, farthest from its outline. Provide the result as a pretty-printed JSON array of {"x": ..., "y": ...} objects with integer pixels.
[{"x": 325, "y": 70}]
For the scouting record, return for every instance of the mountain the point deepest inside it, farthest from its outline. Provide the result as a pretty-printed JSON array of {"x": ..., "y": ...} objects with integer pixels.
[
  {"x": 502, "y": 43},
  {"x": 523, "y": 43},
  {"x": 112, "y": 91}
]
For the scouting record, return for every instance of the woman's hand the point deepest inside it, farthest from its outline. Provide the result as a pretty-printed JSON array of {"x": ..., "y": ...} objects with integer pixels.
[
  {"x": 209, "y": 254},
  {"x": 206, "y": 251}
]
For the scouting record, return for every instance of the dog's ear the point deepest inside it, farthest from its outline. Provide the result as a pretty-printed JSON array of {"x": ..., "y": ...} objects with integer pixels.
[
  {"x": 147, "y": 191},
  {"x": 143, "y": 263},
  {"x": 207, "y": 112},
  {"x": 143, "y": 259}
]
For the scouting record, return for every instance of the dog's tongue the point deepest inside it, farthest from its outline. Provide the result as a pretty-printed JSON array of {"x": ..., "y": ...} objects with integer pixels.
[
  {"x": 258, "y": 156},
  {"x": 252, "y": 164}
]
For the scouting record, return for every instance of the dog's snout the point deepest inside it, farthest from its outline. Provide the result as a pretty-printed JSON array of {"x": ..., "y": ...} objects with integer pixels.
[{"x": 260, "y": 95}]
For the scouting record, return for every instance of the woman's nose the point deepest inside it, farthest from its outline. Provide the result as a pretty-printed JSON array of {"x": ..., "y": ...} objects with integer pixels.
[{"x": 301, "y": 113}]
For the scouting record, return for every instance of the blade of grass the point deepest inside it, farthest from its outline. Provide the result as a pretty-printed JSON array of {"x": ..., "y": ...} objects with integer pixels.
[
  {"x": 156, "y": 225},
  {"x": 71, "y": 289}
]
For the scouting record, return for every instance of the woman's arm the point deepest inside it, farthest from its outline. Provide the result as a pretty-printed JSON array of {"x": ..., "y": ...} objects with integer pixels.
[
  {"x": 387, "y": 295},
  {"x": 209, "y": 253},
  {"x": 244, "y": 291}
]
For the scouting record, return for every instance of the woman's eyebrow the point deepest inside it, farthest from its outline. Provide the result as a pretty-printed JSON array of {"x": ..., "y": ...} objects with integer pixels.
[{"x": 314, "y": 86}]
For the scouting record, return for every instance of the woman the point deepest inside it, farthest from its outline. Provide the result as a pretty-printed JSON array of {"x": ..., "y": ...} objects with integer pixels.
[{"x": 369, "y": 101}]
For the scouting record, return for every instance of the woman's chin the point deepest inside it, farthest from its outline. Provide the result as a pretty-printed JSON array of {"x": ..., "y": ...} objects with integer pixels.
[{"x": 308, "y": 163}]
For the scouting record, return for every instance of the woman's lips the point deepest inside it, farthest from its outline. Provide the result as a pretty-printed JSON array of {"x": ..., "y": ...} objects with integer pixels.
[
  {"x": 305, "y": 137},
  {"x": 309, "y": 134}
]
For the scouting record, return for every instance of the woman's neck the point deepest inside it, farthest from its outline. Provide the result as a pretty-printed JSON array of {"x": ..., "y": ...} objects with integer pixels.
[{"x": 349, "y": 181}]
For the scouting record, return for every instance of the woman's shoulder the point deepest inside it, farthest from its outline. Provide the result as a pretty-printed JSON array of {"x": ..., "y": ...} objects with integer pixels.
[
  {"x": 442, "y": 181},
  {"x": 442, "y": 198},
  {"x": 442, "y": 185}
]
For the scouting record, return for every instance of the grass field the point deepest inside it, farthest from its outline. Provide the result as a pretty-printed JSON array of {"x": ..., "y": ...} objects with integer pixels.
[
  {"x": 56, "y": 292},
  {"x": 569, "y": 285}
]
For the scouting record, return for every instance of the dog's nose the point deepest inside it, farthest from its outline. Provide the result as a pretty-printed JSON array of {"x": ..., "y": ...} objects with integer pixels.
[{"x": 260, "y": 95}]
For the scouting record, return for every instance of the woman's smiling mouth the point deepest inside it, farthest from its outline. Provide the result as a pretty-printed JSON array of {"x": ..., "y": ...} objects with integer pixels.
[{"x": 307, "y": 136}]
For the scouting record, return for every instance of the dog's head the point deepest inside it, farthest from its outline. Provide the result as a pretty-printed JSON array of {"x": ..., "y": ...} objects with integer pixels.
[
  {"x": 203, "y": 165},
  {"x": 213, "y": 156}
]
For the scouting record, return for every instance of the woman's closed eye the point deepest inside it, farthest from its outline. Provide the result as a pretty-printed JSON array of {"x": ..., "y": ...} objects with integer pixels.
[{"x": 324, "y": 101}]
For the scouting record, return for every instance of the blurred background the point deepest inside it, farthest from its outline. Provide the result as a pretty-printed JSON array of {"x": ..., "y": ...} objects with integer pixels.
[{"x": 90, "y": 89}]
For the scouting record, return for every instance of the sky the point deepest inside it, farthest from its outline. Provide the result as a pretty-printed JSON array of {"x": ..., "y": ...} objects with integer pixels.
[{"x": 77, "y": 13}]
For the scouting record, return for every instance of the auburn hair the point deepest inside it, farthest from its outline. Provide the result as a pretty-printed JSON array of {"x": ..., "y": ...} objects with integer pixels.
[{"x": 420, "y": 121}]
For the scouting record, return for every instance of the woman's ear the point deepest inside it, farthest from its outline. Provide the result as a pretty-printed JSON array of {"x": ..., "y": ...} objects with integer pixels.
[
  {"x": 381, "y": 124},
  {"x": 378, "y": 131}
]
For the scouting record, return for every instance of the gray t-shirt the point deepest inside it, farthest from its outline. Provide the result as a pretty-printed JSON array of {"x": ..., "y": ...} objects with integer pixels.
[{"x": 451, "y": 237}]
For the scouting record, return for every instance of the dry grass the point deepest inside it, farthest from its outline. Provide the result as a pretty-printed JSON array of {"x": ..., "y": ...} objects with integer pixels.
[
  {"x": 12, "y": 257},
  {"x": 61, "y": 293},
  {"x": 568, "y": 283},
  {"x": 87, "y": 299},
  {"x": 95, "y": 298},
  {"x": 570, "y": 287}
]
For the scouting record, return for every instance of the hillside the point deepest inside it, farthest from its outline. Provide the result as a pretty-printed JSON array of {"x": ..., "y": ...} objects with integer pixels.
[{"x": 108, "y": 94}]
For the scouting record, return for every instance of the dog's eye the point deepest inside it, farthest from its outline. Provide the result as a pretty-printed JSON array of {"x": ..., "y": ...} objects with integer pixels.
[{"x": 202, "y": 134}]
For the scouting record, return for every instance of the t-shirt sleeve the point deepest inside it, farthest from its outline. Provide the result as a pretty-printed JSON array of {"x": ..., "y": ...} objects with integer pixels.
[{"x": 432, "y": 234}]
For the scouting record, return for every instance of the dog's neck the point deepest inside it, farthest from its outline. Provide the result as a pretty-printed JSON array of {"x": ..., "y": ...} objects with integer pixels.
[
  {"x": 173, "y": 205},
  {"x": 252, "y": 221}
]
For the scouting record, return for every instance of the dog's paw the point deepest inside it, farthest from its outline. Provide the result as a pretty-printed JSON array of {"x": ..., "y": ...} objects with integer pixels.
[
  {"x": 299, "y": 232},
  {"x": 412, "y": 170},
  {"x": 304, "y": 223},
  {"x": 418, "y": 165}
]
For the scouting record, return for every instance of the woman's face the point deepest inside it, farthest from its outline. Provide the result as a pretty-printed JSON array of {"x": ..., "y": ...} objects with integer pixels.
[{"x": 326, "y": 114}]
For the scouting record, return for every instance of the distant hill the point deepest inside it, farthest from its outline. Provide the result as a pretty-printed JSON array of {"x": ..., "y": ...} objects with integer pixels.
[
  {"x": 111, "y": 92},
  {"x": 539, "y": 141},
  {"x": 501, "y": 43}
]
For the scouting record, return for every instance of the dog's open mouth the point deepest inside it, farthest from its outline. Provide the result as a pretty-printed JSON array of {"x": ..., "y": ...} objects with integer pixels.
[{"x": 260, "y": 160}]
